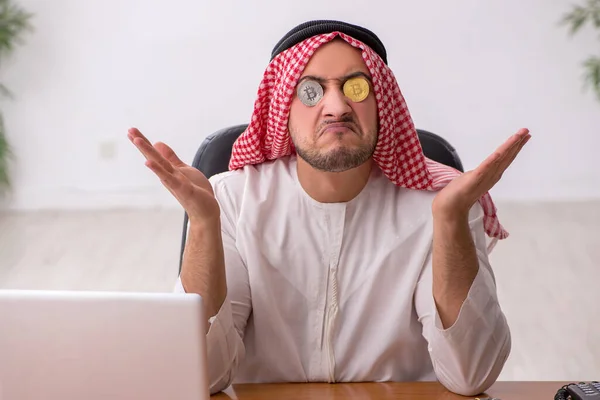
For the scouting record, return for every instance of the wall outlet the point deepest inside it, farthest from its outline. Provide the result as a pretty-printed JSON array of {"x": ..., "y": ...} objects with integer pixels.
[{"x": 107, "y": 150}]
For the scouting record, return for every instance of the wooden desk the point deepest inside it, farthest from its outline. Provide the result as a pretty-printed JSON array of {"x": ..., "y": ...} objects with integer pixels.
[{"x": 383, "y": 391}]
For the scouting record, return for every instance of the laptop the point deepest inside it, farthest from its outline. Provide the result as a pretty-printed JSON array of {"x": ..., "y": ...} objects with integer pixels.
[{"x": 67, "y": 345}]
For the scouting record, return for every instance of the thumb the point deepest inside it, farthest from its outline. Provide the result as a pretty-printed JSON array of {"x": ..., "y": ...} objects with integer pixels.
[{"x": 169, "y": 154}]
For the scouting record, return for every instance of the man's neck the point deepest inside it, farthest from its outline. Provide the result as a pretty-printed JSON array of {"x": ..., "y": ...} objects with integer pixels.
[{"x": 333, "y": 187}]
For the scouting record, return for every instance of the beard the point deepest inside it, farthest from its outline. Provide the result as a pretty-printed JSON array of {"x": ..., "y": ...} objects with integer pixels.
[{"x": 340, "y": 159}]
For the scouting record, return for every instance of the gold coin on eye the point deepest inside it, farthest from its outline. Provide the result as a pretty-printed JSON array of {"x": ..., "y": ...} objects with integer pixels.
[{"x": 356, "y": 89}]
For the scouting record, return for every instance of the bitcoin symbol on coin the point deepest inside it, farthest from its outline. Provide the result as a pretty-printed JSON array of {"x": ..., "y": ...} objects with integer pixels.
[
  {"x": 311, "y": 93},
  {"x": 357, "y": 89}
]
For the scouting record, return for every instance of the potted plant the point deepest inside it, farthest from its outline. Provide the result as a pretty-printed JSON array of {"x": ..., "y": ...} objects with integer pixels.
[
  {"x": 14, "y": 21},
  {"x": 576, "y": 19}
]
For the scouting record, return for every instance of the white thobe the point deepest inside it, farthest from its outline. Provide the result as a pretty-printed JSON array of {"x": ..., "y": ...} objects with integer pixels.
[{"x": 342, "y": 292}]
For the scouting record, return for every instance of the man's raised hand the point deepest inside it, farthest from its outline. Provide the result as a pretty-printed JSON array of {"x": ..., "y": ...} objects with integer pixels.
[{"x": 187, "y": 184}]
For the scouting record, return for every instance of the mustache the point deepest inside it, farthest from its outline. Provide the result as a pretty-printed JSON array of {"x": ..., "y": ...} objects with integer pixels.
[{"x": 347, "y": 122}]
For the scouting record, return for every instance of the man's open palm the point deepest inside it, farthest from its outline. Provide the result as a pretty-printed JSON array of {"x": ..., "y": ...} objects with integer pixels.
[
  {"x": 187, "y": 184},
  {"x": 464, "y": 191}
]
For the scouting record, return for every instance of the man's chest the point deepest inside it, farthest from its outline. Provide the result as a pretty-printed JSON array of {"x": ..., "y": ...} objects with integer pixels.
[{"x": 308, "y": 252}]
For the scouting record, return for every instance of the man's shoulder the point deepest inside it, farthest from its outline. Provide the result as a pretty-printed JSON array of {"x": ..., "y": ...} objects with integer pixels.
[
  {"x": 408, "y": 199},
  {"x": 417, "y": 200},
  {"x": 254, "y": 178},
  {"x": 228, "y": 178}
]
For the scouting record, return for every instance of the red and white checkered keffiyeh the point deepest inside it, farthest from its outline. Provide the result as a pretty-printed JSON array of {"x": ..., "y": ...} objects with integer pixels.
[{"x": 398, "y": 152}]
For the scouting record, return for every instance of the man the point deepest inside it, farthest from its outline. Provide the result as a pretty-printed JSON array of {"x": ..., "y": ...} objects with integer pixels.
[{"x": 334, "y": 250}]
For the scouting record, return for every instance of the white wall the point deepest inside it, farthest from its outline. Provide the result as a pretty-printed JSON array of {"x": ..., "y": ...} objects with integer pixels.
[{"x": 472, "y": 71}]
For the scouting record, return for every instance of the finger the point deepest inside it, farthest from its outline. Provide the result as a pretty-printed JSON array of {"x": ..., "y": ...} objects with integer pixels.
[
  {"x": 132, "y": 133},
  {"x": 508, "y": 147},
  {"x": 167, "y": 178},
  {"x": 161, "y": 174},
  {"x": 509, "y": 155},
  {"x": 179, "y": 188},
  {"x": 522, "y": 132},
  {"x": 504, "y": 151},
  {"x": 169, "y": 154},
  {"x": 515, "y": 153},
  {"x": 491, "y": 163},
  {"x": 152, "y": 154},
  {"x": 506, "y": 162}
]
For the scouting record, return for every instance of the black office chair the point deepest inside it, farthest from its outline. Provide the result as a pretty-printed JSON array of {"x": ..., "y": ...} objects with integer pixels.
[{"x": 214, "y": 153}]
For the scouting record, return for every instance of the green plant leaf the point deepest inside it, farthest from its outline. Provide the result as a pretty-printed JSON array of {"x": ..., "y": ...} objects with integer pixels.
[
  {"x": 576, "y": 18},
  {"x": 592, "y": 74},
  {"x": 579, "y": 15},
  {"x": 14, "y": 22},
  {"x": 594, "y": 6},
  {"x": 5, "y": 156},
  {"x": 5, "y": 92}
]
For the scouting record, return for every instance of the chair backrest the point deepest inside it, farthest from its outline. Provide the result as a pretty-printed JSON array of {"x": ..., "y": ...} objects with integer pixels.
[{"x": 213, "y": 155}]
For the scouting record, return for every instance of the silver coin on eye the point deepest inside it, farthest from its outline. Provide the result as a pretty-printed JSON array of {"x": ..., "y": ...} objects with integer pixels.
[{"x": 310, "y": 92}]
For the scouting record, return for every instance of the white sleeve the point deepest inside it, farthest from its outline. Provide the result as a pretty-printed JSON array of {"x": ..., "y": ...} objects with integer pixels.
[
  {"x": 225, "y": 346},
  {"x": 468, "y": 356}
]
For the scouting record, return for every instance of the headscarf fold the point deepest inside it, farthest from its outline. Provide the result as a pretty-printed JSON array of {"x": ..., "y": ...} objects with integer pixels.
[{"x": 398, "y": 152}]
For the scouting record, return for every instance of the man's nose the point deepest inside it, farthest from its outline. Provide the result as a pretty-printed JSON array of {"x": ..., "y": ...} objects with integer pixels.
[{"x": 335, "y": 104}]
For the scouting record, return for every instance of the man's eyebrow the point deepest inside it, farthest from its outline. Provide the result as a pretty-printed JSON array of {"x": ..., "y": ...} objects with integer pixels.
[{"x": 342, "y": 79}]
